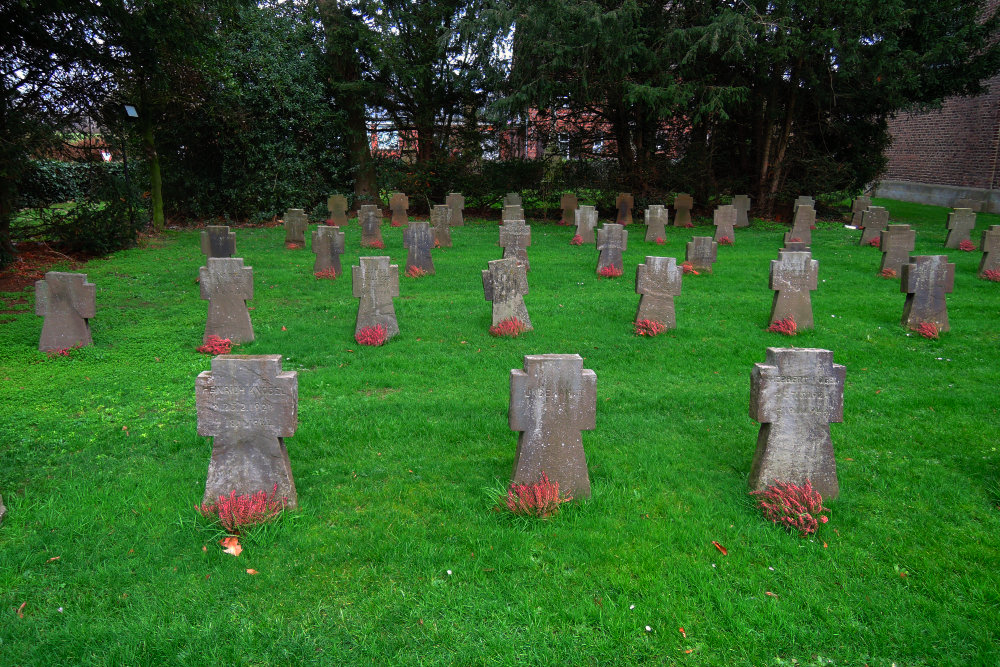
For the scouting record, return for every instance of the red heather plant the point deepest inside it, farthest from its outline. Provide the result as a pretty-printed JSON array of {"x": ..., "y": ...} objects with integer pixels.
[
  {"x": 609, "y": 272},
  {"x": 215, "y": 346},
  {"x": 992, "y": 274},
  {"x": 875, "y": 242},
  {"x": 63, "y": 351},
  {"x": 725, "y": 240},
  {"x": 967, "y": 246},
  {"x": 540, "y": 499},
  {"x": 795, "y": 239},
  {"x": 887, "y": 273},
  {"x": 660, "y": 240},
  {"x": 413, "y": 271},
  {"x": 373, "y": 336},
  {"x": 928, "y": 330},
  {"x": 237, "y": 512},
  {"x": 786, "y": 326},
  {"x": 649, "y": 328},
  {"x": 794, "y": 507},
  {"x": 688, "y": 267},
  {"x": 293, "y": 246},
  {"x": 509, "y": 328},
  {"x": 377, "y": 244},
  {"x": 328, "y": 274},
  {"x": 576, "y": 240}
]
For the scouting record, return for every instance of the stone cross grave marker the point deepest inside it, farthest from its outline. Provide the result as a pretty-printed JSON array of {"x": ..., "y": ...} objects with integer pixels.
[
  {"x": 218, "y": 241},
  {"x": 656, "y": 221},
  {"x": 793, "y": 276},
  {"x": 398, "y": 204},
  {"x": 990, "y": 246},
  {"x": 859, "y": 206},
  {"x": 370, "y": 218},
  {"x": 586, "y": 221},
  {"x": 568, "y": 203},
  {"x": 441, "y": 221},
  {"x": 742, "y": 205},
  {"x": 328, "y": 246},
  {"x": 505, "y": 283},
  {"x": 456, "y": 202},
  {"x": 805, "y": 220},
  {"x": 296, "y": 223},
  {"x": 701, "y": 252},
  {"x": 515, "y": 237},
  {"x": 513, "y": 212},
  {"x": 624, "y": 204},
  {"x": 227, "y": 285},
  {"x": 418, "y": 239},
  {"x": 968, "y": 202},
  {"x": 896, "y": 243},
  {"x": 612, "y": 241},
  {"x": 658, "y": 281},
  {"x": 67, "y": 302},
  {"x": 248, "y": 405},
  {"x": 551, "y": 400},
  {"x": 512, "y": 199},
  {"x": 337, "y": 206},
  {"x": 724, "y": 220},
  {"x": 683, "y": 204},
  {"x": 926, "y": 279},
  {"x": 375, "y": 282},
  {"x": 795, "y": 394},
  {"x": 805, "y": 200},
  {"x": 961, "y": 222},
  {"x": 874, "y": 219}
]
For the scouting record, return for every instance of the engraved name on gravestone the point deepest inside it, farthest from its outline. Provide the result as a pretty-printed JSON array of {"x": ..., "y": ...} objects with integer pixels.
[
  {"x": 683, "y": 204},
  {"x": 896, "y": 243},
  {"x": 227, "y": 285},
  {"x": 515, "y": 237},
  {"x": 701, "y": 252},
  {"x": 295, "y": 227},
  {"x": 926, "y": 279},
  {"x": 398, "y": 204},
  {"x": 793, "y": 276},
  {"x": 805, "y": 220},
  {"x": 418, "y": 239},
  {"x": 990, "y": 246},
  {"x": 624, "y": 204},
  {"x": 656, "y": 220},
  {"x": 512, "y": 199},
  {"x": 441, "y": 222},
  {"x": 328, "y": 246},
  {"x": 724, "y": 220},
  {"x": 874, "y": 219},
  {"x": 859, "y": 206},
  {"x": 961, "y": 222},
  {"x": 568, "y": 203},
  {"x": 586, "y": 221},
  {"x": 67, "y": 302},
  {"x": 612, "y": 241},
  {"x": 513, "y": 212},
  {"x": 551, "y": 400},
  {"x": 658, "y": 281},
  {"x": 742, "y": 205},
  {"x": 375, "y": 282},
  {"x": 370, "y": 218},
  {"x": 456, "y": 202},
  {"x": 218, "y": 241},
  {"x": 505, "y": 283},
  {"x": 795, "y": 394},
  {"x": 337, "y": 206},
  {"x": 248, "y": 405}
]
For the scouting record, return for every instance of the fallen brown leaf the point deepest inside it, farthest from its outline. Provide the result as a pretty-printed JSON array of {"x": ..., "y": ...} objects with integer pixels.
[
  {"x": 231, "y": 545},
  {"x": 720, "y": 548},
  {"x": 250, "y": 570},
  {"x": 683, "y": 634},
  {"x": 20, "y": 610},
  {"x": 53, "y": 558}
]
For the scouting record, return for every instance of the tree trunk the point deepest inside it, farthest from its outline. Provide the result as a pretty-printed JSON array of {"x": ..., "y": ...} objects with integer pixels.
[
  {"x": 8, "y": 194},
  {"x": 155, "y": 182}
]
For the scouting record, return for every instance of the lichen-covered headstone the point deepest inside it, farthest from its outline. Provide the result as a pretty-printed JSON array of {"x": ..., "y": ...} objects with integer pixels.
[
  {"x": 624, "y": 204},
  {"x": 398, "y": 205},
  {"x": 218, "y": 241},
  {"x": 701, "y": 252},
  {"x": 656, "y": 220},
  {"x": 296, "y": 223},
  {"x": 328, "y": 246},
  {"x": 586, "y": 221},
  {"x": 795, "y": 394},
  {"x": 441, "y": 222},
  {"x": 375, "y": 282},
  {"x": 926, "y": 280},
  {"x": 896, "y": 243},
  {"x": 683, "y": 203},
  {"x": 742, "y": 205},
  {"x": 658, "y": 281},
  {"x": 793, "y": 276},
  {"x": 370, "y": 219},
  {"x": 805, "y": 220},
  {"x": 990, "y": 246},
  {"x": 873, "y": 219},
  {"x": 961, "y": 222},
  {"x": 67, "y": 302},
  {"x": 515, "y": 237},
  {"x": 418, "y": 239},
  {"x": 512, "y": 199},
  {"x": 337, "y": 206},
  {"x": 859, "y": 206},
  {"x": 512, "y": 212},
  {"x": 551, "y": 400},
  {"x": 505, "y": 283},
  {"x": 456, "y": 202},
  {"x": 227, "y": 285},
  {"x": 568, "y": 203},
  {"x": 248, "y": 405},
  {"x": 612, "y": 241},
  {"x": 724, "y": 220}
]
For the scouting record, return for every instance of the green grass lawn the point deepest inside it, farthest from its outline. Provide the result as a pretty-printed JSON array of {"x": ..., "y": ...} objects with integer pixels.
[{"x": 402, "y": 451}]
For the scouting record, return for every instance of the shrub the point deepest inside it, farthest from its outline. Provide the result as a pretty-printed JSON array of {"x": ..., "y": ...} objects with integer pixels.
[
  {"x": 413, "y": 271},
  {"x": 328, "y": 274},
  {"x": 609, "y": 272},
  {"x": 875, "y": 242},
  {"x": 967, "y": 246},
  {"x": 992, "y": 274},
  {"x": 576, "y": 240},
  {"x": 786, "y": 326},
  {"x": 215, "y": 345},
  {"x": 688, "y": 267},
  {"x": 928, "y": 330},
  {"x": 540, "y": 499},
  {"x": 887, "y": 273},
  {"x": 725, "y": 240},
  {"x": 237, "y": 512},
  {"x": 378, "y": 244},
  {"x": 794, "y": 507},
  {"x": 509, "y": 328},
  {"x": 649, "y": 328},
  {"x": 373, "y": 336}
]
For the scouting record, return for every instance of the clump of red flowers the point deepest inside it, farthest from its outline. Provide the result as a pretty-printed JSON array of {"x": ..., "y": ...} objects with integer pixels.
[
  {"x": 511, "y": 327},
  {"x": 660, "y": 240},
  {"x": 967, "y": 246},
  {"x": 992, "y": 274},
  {"x": 875, "y": 242},
  {"x": 928, "y": 330},
  {"x": 887, "y": 273},
  {"x": 291, "y": 245},
  {"x": 725, "y": 240},
  {"x": 373, "y": 336},
  {"x": 688, "y": 267},
  {"x": 327, "y": 274},
  {"x": 795, "y": 239},
  {"x": 236, "y": 512},
  {"x": 786, "y": 326},
  {"x": 576, "y": 240},
  {"x": 214, "y": 345},
  {"x": 414, "y": 271},
  {"x": 540, "y": 499},
  {"x": 63, "y": 351},
  {"x": 377, "y": 244},
  {"x": 609, "y": 272},
  {"x": 794, "y": 507},
  {"x": 649, "y": 328}
]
